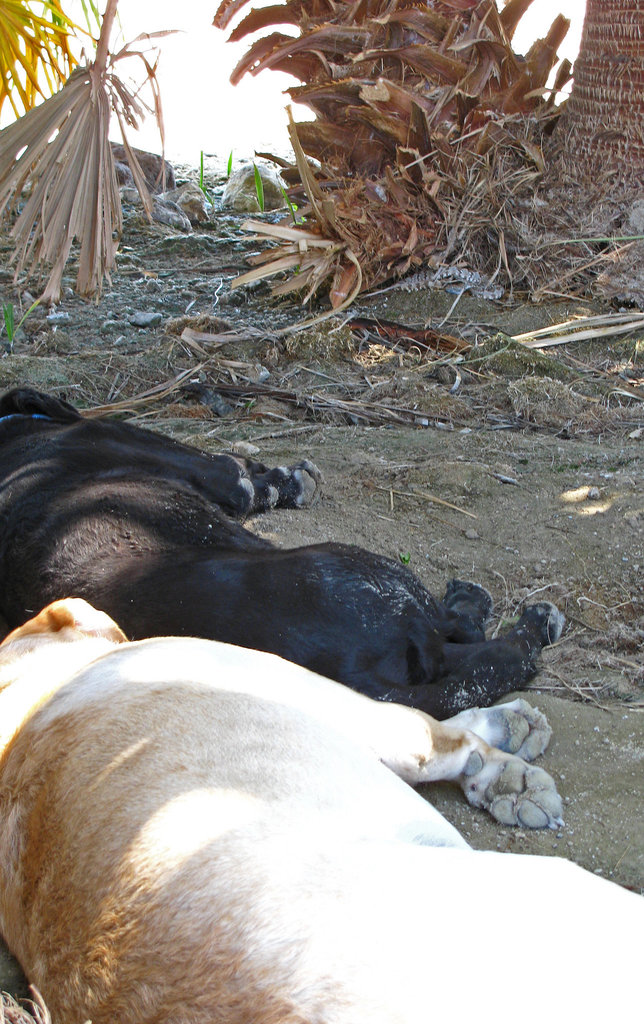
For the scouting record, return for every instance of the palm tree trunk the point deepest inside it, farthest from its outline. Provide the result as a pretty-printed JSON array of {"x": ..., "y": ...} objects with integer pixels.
[{"x": 602, "y": 129}]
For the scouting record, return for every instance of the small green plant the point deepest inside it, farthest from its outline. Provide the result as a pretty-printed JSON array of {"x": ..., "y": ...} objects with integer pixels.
[
  {"x": 10, "y": 324},
  {"x": 259, "y": 187},
  {"x": 292, "y": 207},
  {"x": 201, "y": 181},
  {"x": 229, "y": 165},
  {"x": 405, "y": 557}
]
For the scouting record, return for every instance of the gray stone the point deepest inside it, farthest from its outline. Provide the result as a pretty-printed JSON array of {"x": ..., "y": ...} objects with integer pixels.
[
  {"x": 191, "y": 201},
  {"x": 146, "y": 319},
  {"x": 240, "y": 193}
]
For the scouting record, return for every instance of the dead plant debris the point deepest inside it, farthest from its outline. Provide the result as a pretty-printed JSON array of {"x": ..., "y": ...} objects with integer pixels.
[{"x": 427, "y": 134}]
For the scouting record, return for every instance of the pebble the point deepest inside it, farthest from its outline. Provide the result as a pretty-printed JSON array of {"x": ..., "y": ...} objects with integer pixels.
[
  {"x": 109, "y": 326},
  {"x": 258, "y": 374},
  {"x": 245, "y": 449},
  {"x": 191, "y": 201},
  {"x": 472, "y": 534},
  {"x": 145, "y": 319},
  {"x": 58, "y": 318}
]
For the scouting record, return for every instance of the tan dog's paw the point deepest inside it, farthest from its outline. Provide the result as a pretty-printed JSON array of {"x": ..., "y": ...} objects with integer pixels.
[
  {"x": 515, "y": 727},
  {"x": 515, "y": 793},
  {"x": 518, "y": 728}
]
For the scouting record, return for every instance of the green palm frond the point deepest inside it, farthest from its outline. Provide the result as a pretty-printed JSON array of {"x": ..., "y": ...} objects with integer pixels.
[{"x": 35, "y": 55}]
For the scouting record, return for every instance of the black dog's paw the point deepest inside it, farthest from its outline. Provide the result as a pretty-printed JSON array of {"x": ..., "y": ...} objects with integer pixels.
[
  {"x": 308, "y": 480},
  {"x": 467, "y": 598},
  {"x": 468, "y": 606},
  {"x": 544, "y": 618},
  {"x": 287, "y": 486}
]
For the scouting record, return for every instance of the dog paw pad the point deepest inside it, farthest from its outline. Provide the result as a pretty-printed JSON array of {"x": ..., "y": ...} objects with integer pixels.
[
  {"x": 515, "y": 793},
  {"x": 518, "y": 728}
]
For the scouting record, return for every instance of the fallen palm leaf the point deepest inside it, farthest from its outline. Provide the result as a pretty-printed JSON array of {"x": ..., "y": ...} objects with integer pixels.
[
  {"x": 27, "y": 1011},
  {"x": 400, "y": 336},
  {"x": 582, "y": 329},
  {"x": 144, "y": 397}
]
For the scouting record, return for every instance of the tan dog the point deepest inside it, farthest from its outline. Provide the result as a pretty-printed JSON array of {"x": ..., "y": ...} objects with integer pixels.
[{"x": 194, "y": 833}]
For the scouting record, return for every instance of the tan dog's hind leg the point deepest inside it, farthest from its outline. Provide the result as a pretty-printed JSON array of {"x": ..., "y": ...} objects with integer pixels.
[
  {"x": 514, "y": 792},
  {"x": 515, "y": 727},
  {"x": 411, "y": 743}
]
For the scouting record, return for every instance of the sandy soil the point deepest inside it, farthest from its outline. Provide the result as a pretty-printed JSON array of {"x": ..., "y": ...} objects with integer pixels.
[{"x": 519, "y": 470}]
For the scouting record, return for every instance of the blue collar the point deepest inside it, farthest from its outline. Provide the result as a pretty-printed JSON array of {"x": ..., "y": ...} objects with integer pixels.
[{"x": 23, "y": 416}]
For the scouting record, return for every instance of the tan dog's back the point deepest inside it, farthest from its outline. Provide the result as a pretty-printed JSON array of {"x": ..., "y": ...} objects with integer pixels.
[{"x": 172, "y": 851}]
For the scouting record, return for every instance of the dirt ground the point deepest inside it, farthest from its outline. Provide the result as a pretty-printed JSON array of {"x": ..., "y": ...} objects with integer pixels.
[{"x": 522, "y": 470}]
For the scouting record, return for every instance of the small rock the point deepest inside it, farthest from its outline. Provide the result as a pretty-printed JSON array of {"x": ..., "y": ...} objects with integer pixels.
[
  {"x": 110, "y": 326},
  {"x": 218, "y": 405},
  {"x": 245, "y": 449},
  {"x": 58, "y": 318},
  {"x": 240, "y": 193},
  {"x": 152, "y": 165},
  {"x": 593, "y": 493},
  {"x": 165, "y": 212},
  {"x": 191, "y": 201},
  {"x": 206, "y": 396},
  {"x": 258, "y": 374},
  {"x": 472, "y": 534},
  {"x": 145, "y": 319}
]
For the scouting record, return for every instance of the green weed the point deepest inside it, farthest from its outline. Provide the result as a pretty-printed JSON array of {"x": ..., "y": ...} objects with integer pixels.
[
  {"x": 201, "y": 181},
  {"x": 292, "y": 207},
  {"x": 259, "y": 187},
  {"x": 10, "y": 324}
]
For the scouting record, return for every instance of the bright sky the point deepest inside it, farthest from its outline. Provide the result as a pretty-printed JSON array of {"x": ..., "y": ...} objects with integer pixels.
[{"x": 202, "y": 111}]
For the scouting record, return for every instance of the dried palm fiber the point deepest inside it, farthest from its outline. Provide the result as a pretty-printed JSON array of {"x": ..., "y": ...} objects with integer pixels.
[
  {"x": 60, "y": 155},
  {"x": 427, "y": 128}
]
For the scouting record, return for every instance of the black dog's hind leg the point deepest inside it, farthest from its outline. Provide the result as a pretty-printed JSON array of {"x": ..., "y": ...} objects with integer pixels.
[{"x": 477, "y": 674}]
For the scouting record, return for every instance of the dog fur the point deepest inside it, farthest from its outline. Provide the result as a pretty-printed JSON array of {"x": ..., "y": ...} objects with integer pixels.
[
  {"x": 193, "y": 833},
  {"x": 140, "y": 526}
]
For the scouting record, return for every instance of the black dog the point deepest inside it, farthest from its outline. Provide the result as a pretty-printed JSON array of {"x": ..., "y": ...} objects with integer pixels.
[{"x": 139, "y": 525}]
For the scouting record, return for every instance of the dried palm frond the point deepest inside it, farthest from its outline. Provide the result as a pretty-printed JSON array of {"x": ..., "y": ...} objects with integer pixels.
[
  {"x": 61, "y": 152},
  {"x": 35, "y": 57},
  {"x": 425, "y": 118}
]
